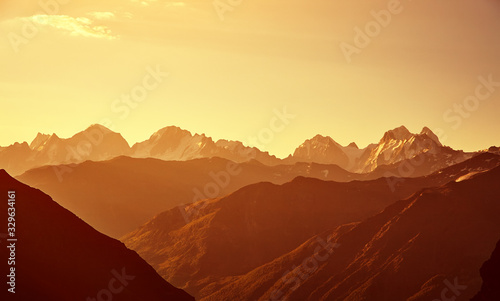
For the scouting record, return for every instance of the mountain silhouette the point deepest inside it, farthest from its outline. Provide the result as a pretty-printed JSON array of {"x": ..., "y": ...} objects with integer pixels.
[{"x": 60, "y": 257}]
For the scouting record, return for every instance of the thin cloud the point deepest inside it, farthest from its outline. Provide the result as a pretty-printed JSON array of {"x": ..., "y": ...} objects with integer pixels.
[
  {"x": 102, "y": 15},
  {"x": 80, "y": 26}
]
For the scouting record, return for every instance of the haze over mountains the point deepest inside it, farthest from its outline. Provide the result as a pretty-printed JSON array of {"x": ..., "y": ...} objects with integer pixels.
[
  {"x": 116, "y": 185},
  {"x": 217, "y": 256},
  {"x": 98, "y": 143},
  {"x": 60, "y": 257},
  {"x": 423, "y": 248}
]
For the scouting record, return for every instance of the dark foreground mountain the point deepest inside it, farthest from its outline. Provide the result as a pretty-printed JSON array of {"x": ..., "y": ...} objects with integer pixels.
[
  {"x": 59, "y": 257},
  {"x": 428, "y": 247},
  {"x": 490, "y": 272}
]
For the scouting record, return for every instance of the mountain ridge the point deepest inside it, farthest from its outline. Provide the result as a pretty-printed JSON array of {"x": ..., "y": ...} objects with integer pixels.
[
  {"x": 380, "y": 257},
  {"x": 232, "y": 218},
  {"x": 99, "y": 143}
]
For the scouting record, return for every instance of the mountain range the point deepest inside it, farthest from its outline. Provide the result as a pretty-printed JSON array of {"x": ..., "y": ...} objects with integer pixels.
[
  {"x": 228, "y": 251},
  {"x": 116, "y": 185},
  {"x": 405, "y": 218},
  {"x": 98, "y": 143}
]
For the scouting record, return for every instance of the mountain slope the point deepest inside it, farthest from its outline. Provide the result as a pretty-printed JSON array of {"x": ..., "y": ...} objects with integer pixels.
[
  {"x": 258, "y": 223},
  {"x": 59, "y": 257},
  {"x": 416, "y": 249},
  {"x": 235, "y": 234}
]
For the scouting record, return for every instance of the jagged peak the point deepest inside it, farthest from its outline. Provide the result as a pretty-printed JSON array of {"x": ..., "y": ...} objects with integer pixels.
[
  {"x": 39, "y": 140},
  {"x": 430, "y": 134},
  {"x": 40, "y": 135},
  {"x": 224, "y": 142},
  {"x": 53, "y": 137},
  {"x": 399, "y": 133},
  {"x": 426, "y": 130}
]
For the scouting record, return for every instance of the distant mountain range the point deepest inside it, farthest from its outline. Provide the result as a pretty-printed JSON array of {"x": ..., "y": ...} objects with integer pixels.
[
  {"x": 97, "y": 143},
  {"x": 59, "y": 257}
]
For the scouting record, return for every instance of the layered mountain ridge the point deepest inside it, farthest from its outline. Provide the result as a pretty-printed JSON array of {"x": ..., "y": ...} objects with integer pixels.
[
  {"x": 258, "y": 222},
  {"x": 98, "y": 143},
  {"x": 228, "y": 222}
]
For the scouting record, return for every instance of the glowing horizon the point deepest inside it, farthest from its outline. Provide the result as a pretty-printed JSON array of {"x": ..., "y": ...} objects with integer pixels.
[{"x": 429, "y": 64}]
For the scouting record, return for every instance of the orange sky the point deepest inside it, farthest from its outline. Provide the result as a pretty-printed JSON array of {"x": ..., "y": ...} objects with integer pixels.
[{"x": 226, "y": 77}]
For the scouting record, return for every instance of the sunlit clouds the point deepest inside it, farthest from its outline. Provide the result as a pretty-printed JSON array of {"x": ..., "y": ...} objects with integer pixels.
[{"x": 72, "y": 26}]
